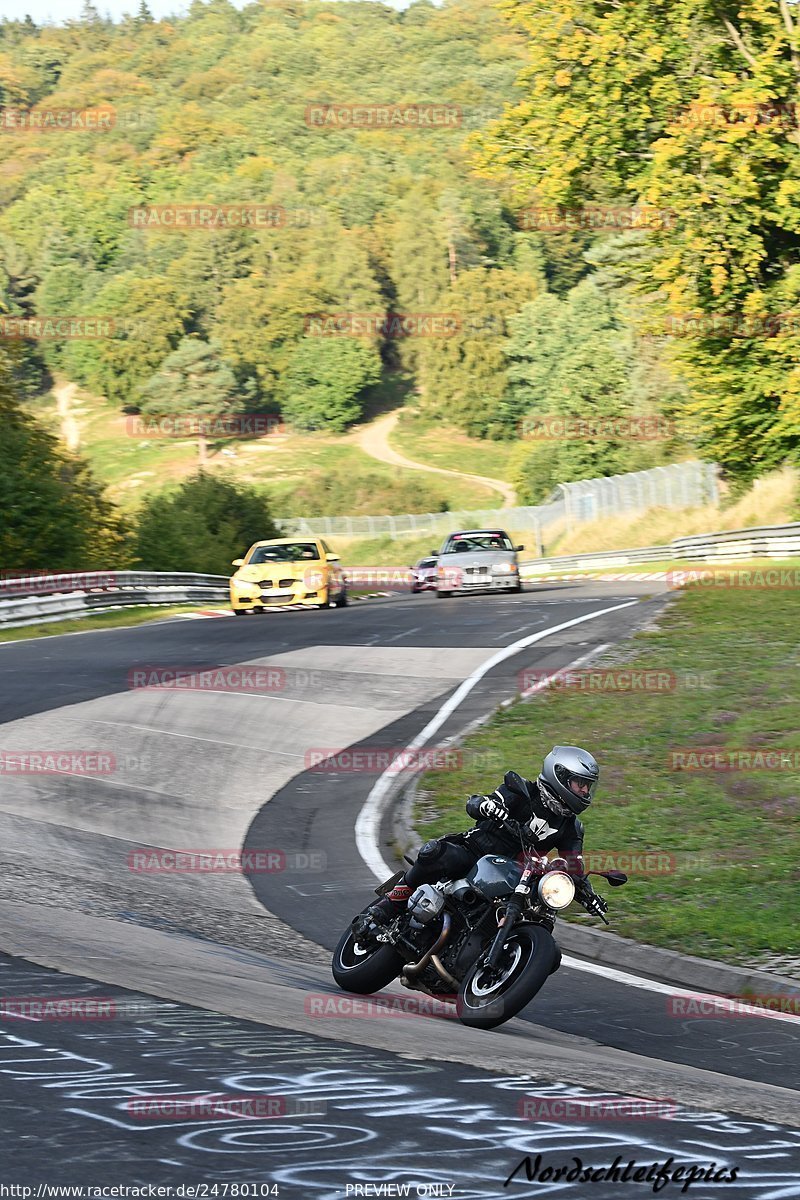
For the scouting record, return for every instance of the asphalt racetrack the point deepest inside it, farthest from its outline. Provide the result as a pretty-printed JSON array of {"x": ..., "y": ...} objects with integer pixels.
[{"x": 417, "y": 1100}]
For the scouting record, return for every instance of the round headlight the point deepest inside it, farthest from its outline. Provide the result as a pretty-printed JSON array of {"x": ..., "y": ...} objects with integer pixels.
[{"x": 556, "y": 889}]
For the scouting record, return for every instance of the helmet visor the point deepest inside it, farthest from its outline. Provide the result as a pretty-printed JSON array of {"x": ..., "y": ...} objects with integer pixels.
[{"x": 582, "y": 787}]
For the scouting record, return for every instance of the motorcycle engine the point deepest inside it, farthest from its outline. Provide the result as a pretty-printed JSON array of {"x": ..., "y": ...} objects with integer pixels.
[
  {"x": 472, "y": 926},
  {"x": 425, "y": 903}
]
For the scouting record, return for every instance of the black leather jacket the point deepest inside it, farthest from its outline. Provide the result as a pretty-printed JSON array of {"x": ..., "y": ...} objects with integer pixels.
[{"x": 545, "y": 829}]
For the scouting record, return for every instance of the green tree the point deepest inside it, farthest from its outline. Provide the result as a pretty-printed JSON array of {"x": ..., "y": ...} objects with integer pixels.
[
  {"x": 325, "y": 382},
  {"x": 576, "y": 391},
  {"x": 56, "y": 517},
  {"x": 463, "y": 376},
  {"x": 201, "y": 526},
  {"x": 147, "y": 318},
  {"x": 615, "y": 109},
  {"x": 193, "y": 382}
]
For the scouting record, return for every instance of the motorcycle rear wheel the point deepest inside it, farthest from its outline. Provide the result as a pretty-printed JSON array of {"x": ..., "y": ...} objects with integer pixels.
[
  {"x": 364, "y": 969},
  {"x": 485, "y": 1001}
]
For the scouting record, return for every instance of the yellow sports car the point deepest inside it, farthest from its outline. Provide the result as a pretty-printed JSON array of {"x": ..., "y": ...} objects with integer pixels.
[{"x": 287, "y": 571}]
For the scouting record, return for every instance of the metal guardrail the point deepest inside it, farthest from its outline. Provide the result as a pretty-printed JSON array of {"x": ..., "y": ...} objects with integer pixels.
[
  {"x": 46, "y": 582},
  {"x": 761, "y": 541},
  {"x": 41, "y": 597},
  {"x": 34, "y": 598}
]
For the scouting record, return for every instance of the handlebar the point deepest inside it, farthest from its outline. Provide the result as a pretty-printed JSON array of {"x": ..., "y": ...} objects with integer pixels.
[{"x": 541, "y": 864}]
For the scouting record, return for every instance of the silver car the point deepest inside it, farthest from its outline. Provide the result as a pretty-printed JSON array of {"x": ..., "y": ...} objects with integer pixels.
[{"x": 478, "y": 560}]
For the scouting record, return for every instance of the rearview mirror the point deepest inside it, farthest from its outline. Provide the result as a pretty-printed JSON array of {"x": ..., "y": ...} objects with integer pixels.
[
  {"x": 333, "y": 558},
  {"x": 238, "y": 562},
  {"x": 615, "y": 878},
  {"x": 520, "y": 547}
]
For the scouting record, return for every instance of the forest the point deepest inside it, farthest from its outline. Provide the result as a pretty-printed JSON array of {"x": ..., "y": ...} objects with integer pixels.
[{"x": 587, "y": 212}]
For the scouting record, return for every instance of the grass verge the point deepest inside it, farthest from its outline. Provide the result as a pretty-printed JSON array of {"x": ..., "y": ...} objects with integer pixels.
[
  {"x": 425, "y": 439},
  {"x": 109, "y": 620},
  {"x": 304, "y": 473},
  {"x": 730, "y": 888},
  {"x": 772, "y": 500}
]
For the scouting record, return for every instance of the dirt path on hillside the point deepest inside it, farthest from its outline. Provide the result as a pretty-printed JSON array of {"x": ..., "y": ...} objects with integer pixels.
[
  {"x": 374, "y": 440},
  {"x": 70, "y": 433}
]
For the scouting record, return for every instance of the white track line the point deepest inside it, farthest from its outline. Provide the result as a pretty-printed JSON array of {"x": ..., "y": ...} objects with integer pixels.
[
  {"x": 725, "y": 1005},
  {"x": 368, "y": 824}
]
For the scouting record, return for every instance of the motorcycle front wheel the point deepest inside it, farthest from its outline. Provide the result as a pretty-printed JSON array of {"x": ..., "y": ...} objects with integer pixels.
[
  {"x": 364, "y": 969},
  {"x": 488, "y": 998}
]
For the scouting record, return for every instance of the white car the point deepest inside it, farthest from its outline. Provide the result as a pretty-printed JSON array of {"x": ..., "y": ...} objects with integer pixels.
[{"x": 424, "y": 575}]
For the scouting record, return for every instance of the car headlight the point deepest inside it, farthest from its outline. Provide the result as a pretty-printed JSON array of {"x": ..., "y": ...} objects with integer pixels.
[
  {"x": 244, "y": 585},
  {"x": 556, "y": 889},
  {"x": 504, "y": 568}
]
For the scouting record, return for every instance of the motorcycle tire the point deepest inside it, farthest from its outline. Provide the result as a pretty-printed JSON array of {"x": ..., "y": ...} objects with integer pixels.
[
  {"x": 357, "y": 969},
  {"x": 483, "y": 1004}
]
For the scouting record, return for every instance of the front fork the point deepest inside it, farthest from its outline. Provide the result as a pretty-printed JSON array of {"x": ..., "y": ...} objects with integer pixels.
[{"x": 512, "y": 914}]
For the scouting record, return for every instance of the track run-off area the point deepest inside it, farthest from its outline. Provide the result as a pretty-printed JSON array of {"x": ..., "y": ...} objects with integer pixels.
[{"x": 215, "y": 979}]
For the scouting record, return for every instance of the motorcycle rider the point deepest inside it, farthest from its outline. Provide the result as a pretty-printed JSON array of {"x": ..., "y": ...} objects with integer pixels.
[{"x": 545, "y": 813}]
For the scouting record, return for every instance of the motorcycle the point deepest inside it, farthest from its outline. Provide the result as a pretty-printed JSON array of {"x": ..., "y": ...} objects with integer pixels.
[{"x": 484, "y": 941}]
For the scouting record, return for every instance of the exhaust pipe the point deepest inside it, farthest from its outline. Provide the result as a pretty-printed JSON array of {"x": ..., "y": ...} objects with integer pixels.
[
  {"x": 445, "y": 974},
  {"x": 414, "y": 969}
]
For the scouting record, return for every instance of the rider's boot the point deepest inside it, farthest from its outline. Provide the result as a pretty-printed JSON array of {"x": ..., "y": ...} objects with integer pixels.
[{"x": 384, "y": 911}]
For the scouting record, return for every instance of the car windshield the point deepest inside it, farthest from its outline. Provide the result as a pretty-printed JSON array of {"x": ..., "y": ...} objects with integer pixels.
[
  {"x": 470, "y": 543},
  {"x": 288, "y": 552}
]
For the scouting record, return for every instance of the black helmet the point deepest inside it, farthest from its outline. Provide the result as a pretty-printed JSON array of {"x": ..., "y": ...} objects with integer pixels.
[{"x": 568, "y": 779}]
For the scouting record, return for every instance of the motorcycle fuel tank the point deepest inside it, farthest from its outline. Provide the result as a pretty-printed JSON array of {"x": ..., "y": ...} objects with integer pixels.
[{"x": 494, "y": 876}]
